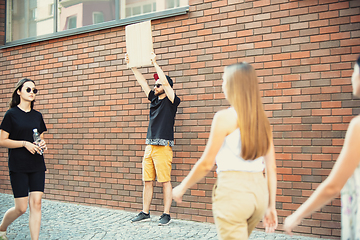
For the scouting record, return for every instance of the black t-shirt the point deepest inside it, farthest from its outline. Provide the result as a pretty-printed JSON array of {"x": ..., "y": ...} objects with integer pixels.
[
  {"x": 162, "y": 119},
  {"x": 20, "y": 125}
]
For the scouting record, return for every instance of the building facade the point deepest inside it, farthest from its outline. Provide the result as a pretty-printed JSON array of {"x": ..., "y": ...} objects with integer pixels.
[{"x": 97, "y": 114}]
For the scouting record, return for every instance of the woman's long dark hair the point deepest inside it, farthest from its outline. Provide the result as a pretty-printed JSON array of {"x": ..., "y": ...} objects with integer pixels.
[{"x": 15, "y": 99}]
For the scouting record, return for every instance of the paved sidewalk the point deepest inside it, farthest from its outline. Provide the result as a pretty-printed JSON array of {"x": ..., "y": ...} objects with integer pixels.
[{"x": 72, "y": 221}]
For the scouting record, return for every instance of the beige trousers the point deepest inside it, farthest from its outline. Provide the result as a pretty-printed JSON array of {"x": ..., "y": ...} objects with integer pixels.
[{"x": 240, "y": 200}]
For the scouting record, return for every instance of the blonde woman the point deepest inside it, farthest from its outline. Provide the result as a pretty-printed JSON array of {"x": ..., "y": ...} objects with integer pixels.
[
  {"x": 344, "y": 178},
  {"x": 241, "y": 144}
]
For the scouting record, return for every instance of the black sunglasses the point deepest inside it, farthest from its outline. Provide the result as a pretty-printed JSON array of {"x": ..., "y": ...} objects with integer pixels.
[
  {"x": 157, "y": 85},
  {"x": 33, "y": 90}
]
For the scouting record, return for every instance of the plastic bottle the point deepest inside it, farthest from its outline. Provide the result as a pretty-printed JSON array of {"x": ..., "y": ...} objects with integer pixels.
[{"x": 37, "y": 139}]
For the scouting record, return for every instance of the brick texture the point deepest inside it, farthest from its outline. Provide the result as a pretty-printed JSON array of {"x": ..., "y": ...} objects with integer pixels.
[{"x": 97, "y": 114}]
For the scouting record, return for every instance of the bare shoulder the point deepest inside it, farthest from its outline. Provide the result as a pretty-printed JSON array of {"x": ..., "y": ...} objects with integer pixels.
[
  {"x": 227, "y": 119},
  {"x": 226, "y": 114},
  {"x": 355, "y": 124},
  {"x": 353, "y": 131}
]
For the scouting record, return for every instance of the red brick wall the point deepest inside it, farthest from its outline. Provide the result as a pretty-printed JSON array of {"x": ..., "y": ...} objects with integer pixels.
[{"x": 97, "y": 114}]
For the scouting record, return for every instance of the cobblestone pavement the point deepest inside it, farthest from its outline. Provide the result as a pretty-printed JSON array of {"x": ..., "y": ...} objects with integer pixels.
[{"x": 71, "y": 221}]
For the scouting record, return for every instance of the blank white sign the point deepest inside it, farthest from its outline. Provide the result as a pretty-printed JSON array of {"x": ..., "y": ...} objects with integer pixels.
[{"x": 139, "y": 44}]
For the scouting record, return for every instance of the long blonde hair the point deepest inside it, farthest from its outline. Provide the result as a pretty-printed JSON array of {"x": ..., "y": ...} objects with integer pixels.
[{"x": 241, "y": 89}]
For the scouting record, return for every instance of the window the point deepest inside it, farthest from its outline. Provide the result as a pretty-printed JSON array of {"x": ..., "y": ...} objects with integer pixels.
[
  {"x": 26, "y": 19},
  {"x": 88, "y": 12},
  {"x": 134, "y": 8},
  {"x": 147, "y": 8},
  {"x": 98, "y": 17},
  {"x": 51, "y": 9},
  {"x": 172, "y": 3},
  {"x": 34, "y": 20},
  {"x": 34, "y": 14},
  {"x": 71, "y": 22}
]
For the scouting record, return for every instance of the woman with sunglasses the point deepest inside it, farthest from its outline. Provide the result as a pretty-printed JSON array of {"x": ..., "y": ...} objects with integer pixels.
[
  {"x": 26, "y": 162},
  {"x": 241, "y": 145}
]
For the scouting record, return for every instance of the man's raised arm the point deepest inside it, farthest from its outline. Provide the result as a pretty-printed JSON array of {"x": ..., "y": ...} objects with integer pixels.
[
  {"x": 162, "y": 78},
  {"x": 139, "y": 77}
]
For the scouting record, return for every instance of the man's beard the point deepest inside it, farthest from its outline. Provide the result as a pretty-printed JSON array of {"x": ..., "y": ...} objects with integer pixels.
[{"x": 159, "y": 93}]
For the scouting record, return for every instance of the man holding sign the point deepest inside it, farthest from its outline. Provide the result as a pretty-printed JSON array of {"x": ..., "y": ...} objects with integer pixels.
[{"x": 159, "y": 139}]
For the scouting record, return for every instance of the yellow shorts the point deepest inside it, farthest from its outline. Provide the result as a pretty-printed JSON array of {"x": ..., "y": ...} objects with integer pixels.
[{"x": 157, "y": 162}]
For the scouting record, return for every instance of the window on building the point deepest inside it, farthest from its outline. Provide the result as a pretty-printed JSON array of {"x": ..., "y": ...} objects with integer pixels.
[
  {"x": 89, "y": 12},
  {"x": 172, "y": 3},
  {"x": 34, "y": 14},
  {"x": 71, "y": 22},
  {"x": 28, "y": 18},
  {"x": 98, "y": 17},
  {"x": 31, "y": 19},
  {"x": 147, "y": 8},
  {"x": 51, "y": 9},
  {"x": 134, "y": 8}
]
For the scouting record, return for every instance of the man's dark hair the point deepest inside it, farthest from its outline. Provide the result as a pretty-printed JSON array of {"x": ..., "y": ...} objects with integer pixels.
[
  {"x": 358, "y": 61},
  {"x": 170, "y": 81}
]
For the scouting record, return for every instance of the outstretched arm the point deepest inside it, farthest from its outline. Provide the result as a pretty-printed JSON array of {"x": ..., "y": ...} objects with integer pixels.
[
  {"x": 204, "y": 165},
  {"x": 139, "y": 77},
  {"x": 344, "y": 167},
  {"x": 162, "y": 78}
]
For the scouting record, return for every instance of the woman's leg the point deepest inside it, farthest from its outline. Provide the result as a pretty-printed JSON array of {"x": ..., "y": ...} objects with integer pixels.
[
  {"x": 36, "y": 187},
  {"x": 19, "y": 184},
  {"x": 35, "y": 214},
  {"x": 13, "y": 213}
]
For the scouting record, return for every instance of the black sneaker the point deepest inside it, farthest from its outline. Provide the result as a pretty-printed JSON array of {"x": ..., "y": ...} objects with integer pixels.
[
  {"x": 141, "y": 217},
  {"x": 165, "y": 219}
]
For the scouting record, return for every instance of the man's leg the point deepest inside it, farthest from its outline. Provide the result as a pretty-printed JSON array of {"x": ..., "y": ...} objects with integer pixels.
[
  {"x": 148, "y": 172},
  {"x": 147, "y": 196},
  {"x": 144, "y": 215},
  {"x": 167, "y": 191},
  {"x": 165, "y": 218},
  {"x": 162, "y": 161}
]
